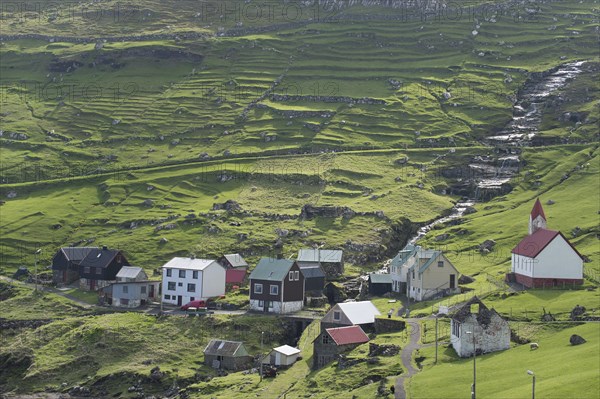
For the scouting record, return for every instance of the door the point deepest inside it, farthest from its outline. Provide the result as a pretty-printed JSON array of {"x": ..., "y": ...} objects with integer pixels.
[
  {"x": 179, "y": 299},
  {"x": 452, "y": 281},
  {"x": 65, "y": 276},
  {"x": 92, "y": 285},
  {"x": 266, "y": 307},
  {"x": 151, "y": 294}
]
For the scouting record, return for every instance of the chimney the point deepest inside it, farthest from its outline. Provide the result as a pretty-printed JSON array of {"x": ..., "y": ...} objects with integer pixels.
[{"x": 104, "y": 248}]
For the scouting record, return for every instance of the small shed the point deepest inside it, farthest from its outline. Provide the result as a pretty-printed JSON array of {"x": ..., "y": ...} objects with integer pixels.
[
  {"x": 284, "y": 355},
  {"x": 380, "y": 284},
  {"x": 228, "y": 355},
  {"x": 314, "y": 277}
]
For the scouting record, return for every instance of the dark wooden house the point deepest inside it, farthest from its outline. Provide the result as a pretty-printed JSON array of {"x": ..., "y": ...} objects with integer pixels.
[
  {"x": 333, "y": 342},
  {"x": 380, "y": 284},
  {"x": 228, "y": 355},
  {"x": 314, "y": 278},
  {"x": 100, "y": 267},
  {"x": 276, "y": 286},
  {"x": 65, "y": 264}
]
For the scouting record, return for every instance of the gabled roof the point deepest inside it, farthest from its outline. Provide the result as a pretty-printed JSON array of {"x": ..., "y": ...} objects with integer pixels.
[
  {"x": 129, "y": 272},
  {"x": 380, "y": 278},
  {"x": 347, "y": 335},
  {"x": 271, "y": 269},
  {"x": 223, "y": 348},
  {"x": 531, "y": 245},
  {"x": 363, "y": 312},
  {"x": 287, "y": 350},
  {"x": 404, "y": 254},
  {"x": 236, "y": 260},
  {"x": 189, "y": 263},
  {"x": 320, "y": 255},
  {"x": 537, "y": 210},
  {"x": 76, "y": 254},
  {"x": 99, "y": 257},
  {"x": 312, "y": 272},
  {"x": 483, "y": 316}
]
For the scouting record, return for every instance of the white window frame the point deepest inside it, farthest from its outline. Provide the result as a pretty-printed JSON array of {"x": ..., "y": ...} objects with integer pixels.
[
  {"x": 193, "y": 287},
  {"x": 261, "y": 303},
  {"x": 297, "y": 275},
  {"x": 291, "y": 276},
  {"x": 338, "y": 314},
  {"x": 274, "y": 289},
  {"x": 258, "y": 288},
  {"x": 169, "y": 286}
]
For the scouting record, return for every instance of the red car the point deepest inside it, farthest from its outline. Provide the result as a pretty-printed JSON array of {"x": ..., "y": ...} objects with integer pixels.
[{"x": 198, "y": 303}]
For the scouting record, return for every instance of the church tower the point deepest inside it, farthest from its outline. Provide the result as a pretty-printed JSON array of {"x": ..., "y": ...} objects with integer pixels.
[{"x": 537, "y": 219}]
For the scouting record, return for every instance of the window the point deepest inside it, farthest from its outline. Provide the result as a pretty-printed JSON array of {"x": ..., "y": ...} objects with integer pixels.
[
  {"x": 441, "y": 263},
  {"x": 119, "y": 259},
  {"x": 192, "y": 298},
  {"x": 257, "y": 288},
  {"x": 456, "y": 328},
  {"x": 167, "y": 296},
  {"x": 271, "y": 304},
  {"x": 274, "y": 289},
  {"x": 98, "y": 270},
  {"x": 261, "y": 303},
  {"x": 143, "y": 289},
  {"x": 337, "y": 315},
  {"x": 182, "y": 274},
  {"x": 171, "y": 286},
  {"x": 325, "y": 338},
  {"x": 169, "y": 272},
  {"x": 413, "y": 274},
  {"x": 180, "y": 284},
  {"x": 297, "y": 275},
  {"x": 125, "y": 289},
  {"x": 291, "y": 276},
  {"x": 191, "y": 287},
  {"x": 195, "y": 274},
  {"x": 86, "y": 269}
]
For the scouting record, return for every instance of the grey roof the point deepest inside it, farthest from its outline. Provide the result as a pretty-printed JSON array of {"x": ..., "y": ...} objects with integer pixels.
[
  {"x": 271, "y": 269},
  {"x": 312, "y": 272},
  {"x": 223, "y": 348},
  {"x": 380, "y": 278},
  {"x": 320, "y": 255},
  {"x": 403, "y": 255},
  {"x": 99, "y": 257},
  {"x": 76, "y": 253},
  {"x": 129, "y": 272},
  {"x": 236, "y": 260}
]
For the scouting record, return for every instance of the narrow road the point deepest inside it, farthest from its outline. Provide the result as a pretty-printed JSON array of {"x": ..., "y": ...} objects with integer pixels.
[{"x": 414, "y": 331}]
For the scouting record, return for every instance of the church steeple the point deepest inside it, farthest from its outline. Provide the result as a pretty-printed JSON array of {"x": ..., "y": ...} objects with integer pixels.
[{"x": 537, "y": 218}]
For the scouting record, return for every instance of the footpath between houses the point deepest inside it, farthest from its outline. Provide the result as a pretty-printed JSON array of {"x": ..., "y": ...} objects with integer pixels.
[{"x": 414, "y": 331}]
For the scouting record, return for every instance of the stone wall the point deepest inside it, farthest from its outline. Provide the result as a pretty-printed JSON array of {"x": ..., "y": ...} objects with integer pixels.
[{"x": 384, "y": 325}]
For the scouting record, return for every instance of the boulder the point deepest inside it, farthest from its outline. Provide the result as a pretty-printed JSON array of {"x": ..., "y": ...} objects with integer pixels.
[
  {"x": 148, "y": 203},
  {"x": 577, "y": 312},
  {"x": 487, "y": 246},
  {"x": 577, "y": 340}
]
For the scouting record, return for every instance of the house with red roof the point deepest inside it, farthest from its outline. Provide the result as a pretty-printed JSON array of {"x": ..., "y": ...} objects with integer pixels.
[
  {"x": 545, "y": 258},
  {"x": 333, "y": 342}
]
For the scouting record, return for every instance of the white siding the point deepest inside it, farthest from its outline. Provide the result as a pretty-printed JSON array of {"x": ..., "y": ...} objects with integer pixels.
[
  {"x": 212, "y": 280},
  {"x": 278, "y": 307},
  {"x": 181, "y": 290},
  {"x": 523, "y": 265},
  {"x": 558, "y": 260},
  {"x": 491, "y": 339}
]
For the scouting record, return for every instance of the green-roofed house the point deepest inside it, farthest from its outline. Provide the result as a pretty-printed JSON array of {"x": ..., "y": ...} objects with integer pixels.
[
  {"x": 380, "y": 284},
  {"x": 276, "y": 286}
]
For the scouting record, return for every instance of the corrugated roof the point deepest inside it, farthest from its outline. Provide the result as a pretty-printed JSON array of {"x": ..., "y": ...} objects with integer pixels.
[
  {"x": 222, "y": 348},
  {"x": 535, "y": 243},
  {"x": 380, "y": 278},
  {"x": 537, "y": 210},
  {"x": 404, "y": 254},
  {"x": 312, "y": 272},
  {"x": 271, "y": 269},
  {"x": 287, "y": 350},
  {"x": 129, "y": 272},
  {"x": 236, "y": 260},
  {"x": 189, "y": 263},
  {"x": 363, "y": 312},
  {"x": 320, "y": 255},
  {"x": 76, "y": 254},
  {"x": 348, "y": 335}
]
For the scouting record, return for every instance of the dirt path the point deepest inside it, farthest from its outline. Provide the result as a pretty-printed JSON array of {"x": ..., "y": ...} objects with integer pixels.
[{"x": 414, "y": 331}]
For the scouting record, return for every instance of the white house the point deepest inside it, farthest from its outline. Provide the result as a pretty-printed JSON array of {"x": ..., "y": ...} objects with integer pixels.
[
  {"x": 399, "y": 267},
  {"x": 545, "y": 258},
  {"x": 476, "y": 326},
  {"x": 350, "y": 313},
  {"x": 284, "y": 355},
  {"x": 188, "y": 279}
]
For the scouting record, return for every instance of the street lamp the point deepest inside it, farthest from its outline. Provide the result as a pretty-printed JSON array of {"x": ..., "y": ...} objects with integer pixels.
[
  {"x": 36, "y": 253},
  {"x": 262, "y": 334},
  {"x": 473, "y": 395},
  {"x": 531, "y": 373}
]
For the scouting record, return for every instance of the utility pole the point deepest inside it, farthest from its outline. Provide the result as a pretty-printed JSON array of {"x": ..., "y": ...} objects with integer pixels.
[
  {"x": 262, "y": 333},
  {"x": 436, "y": 338},
  {"x": 36, "y": 253}
]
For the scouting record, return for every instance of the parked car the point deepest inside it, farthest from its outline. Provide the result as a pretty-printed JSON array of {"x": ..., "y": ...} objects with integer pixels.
[{"x": 198, "y": 303}]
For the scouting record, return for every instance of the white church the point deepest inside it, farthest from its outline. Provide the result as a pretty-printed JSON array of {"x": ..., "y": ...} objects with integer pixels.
[{"x": 545, "y": 258}]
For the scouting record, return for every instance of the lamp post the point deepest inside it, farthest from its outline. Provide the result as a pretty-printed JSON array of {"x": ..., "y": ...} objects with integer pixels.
[
  {"x": 36, "y": 253},
  {"x": 262, "y": 334},
  {"x": 531, "y": 373},
  {"x": 436, "y": 337},
  {"x": 473, "y": 390}
]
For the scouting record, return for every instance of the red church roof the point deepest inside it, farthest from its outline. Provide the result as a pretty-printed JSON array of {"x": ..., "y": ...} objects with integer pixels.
[
  {"x": 532, "y": 245},
  {"x": 537, "y": 210},
  {"x": 348, "y": 335}
]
